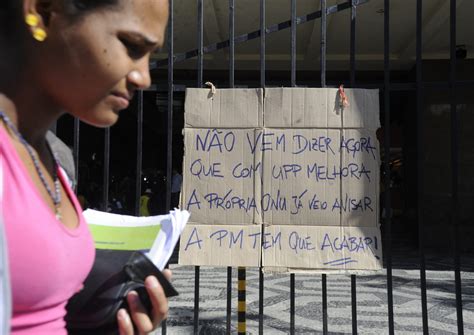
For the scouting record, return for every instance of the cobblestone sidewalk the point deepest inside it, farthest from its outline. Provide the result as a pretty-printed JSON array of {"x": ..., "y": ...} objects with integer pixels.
[{"x": 371, "y": 300}]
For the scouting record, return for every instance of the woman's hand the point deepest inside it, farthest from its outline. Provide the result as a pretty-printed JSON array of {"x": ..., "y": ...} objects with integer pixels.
[{"x": 144, "y": 322}]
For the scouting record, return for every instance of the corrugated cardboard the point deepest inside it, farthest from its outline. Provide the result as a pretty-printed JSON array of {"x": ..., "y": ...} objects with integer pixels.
[
  {"x": 219, "y": 185},
  {"x": 220, "y": 245},
  {"x": 316, "y": 247},
  {"x": 230, "y": 108},
  {"x": 292, "y": 159}
]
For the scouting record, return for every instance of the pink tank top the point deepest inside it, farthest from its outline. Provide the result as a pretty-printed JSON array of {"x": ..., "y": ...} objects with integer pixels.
[{"x": 48, "y": 261}]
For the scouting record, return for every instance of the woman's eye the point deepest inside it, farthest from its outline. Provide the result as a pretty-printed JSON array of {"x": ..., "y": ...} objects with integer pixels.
[{"x": 134, "y": 50}]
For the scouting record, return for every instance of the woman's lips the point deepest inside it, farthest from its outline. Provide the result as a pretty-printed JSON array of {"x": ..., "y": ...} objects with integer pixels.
[{"x": 119, "y": 101}]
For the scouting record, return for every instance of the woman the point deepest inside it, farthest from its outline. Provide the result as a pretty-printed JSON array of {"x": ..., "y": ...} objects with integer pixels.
[{"x": 86, "y": 58}]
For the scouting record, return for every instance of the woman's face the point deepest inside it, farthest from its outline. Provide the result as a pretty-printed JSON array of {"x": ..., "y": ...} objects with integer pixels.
[{"x": 91, "y": 66}]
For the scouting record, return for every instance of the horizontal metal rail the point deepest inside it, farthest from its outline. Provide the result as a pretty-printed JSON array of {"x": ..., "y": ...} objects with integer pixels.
[
  {"x": 405, "y": 86},
  {"x": 254, "y": 34}
]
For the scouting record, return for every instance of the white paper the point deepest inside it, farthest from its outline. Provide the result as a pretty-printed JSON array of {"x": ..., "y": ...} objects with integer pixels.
[
  {"x": 115, "y": 231},
  {"x": 167, "y": 238}
]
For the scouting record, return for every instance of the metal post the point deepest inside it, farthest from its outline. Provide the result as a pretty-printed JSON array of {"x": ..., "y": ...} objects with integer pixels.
[
  {"x": 292, "y": 303},
  {"x": 262, "y": 43},
  {"x": 260, "y": 295},
  {"x": 231, "y": 42},
  {"x": 138, "y": 166},
  {"x": 241, "y": 307},
  {"x": 352, "y": 84},
  {"x": 200, "y": 29},
  {"x": 420, "y": 162},
  {"x": 353, "y": 41},
  {"x": 354, "y": 303},
  {"x": 229, "y": 299},
  {"x": 197, "y": 270},
  {"x": 169, "y": 139},
  {"x": 293, "y": 43},
  {"x": 196, "y": 300},
  {"x": 386, "y": 165},
  {"x": 455, "y": 168},
  {"x": 323, "y": 84},
  {"x": 293, "y": 84},
  {"x": 105, "y": 181},
  {"x": 323, "y": 42},
  {"x": 231, "y": 85},
  {"x": 261, "y": 277},
  {"x": 325, "y": 303}
]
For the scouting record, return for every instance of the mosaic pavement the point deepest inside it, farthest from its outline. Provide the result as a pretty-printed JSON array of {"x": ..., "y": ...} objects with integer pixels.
[{"x": 371, "y": 300}]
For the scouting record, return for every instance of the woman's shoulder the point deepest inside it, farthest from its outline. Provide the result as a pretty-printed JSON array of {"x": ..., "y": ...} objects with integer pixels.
[{"x": 7, "y": 107}]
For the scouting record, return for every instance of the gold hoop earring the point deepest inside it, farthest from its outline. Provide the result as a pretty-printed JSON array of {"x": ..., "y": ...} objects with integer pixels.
[{"x": 32, "y": 21}]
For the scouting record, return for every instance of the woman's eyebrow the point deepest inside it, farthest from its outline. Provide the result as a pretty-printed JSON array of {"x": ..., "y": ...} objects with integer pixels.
[{"x": 139, "y": 37}]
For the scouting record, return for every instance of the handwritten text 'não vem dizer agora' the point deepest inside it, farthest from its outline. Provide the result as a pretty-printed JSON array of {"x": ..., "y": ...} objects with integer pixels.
[{"x": 222, "y": 141}]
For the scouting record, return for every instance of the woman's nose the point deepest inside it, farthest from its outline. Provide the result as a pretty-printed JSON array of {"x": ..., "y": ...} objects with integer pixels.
[{"x": 140, "y": 76}]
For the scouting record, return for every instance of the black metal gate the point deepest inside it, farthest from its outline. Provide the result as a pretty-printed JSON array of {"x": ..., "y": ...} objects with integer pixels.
[{"x": 387, "y": 87}]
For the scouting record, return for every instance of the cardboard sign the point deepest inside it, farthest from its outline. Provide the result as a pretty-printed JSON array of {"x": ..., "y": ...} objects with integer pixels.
[{"x": 282, "y": 177}]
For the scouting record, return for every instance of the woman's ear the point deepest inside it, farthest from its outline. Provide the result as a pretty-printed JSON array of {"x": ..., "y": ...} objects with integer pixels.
[
  {"x": 41, "y": 9},
  {"x": 36, "y": 14},
  {"x": 44, "y": 9}
]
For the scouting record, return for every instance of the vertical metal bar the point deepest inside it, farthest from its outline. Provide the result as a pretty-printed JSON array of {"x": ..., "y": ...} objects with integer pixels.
[
  {"x": 386, "y": 165},
  {"x": 229, "y": 299},
  {"x": 353, "y": 41},
  {"x": 169, "y": 151},
  {"x": 354, "y": 304},
  {"x": 323, "y": 42},
  {"x": 325, "y": 303},
  {"x": 323, "y": 84},
  {"x": 196, "y": 300},
  {"x": 261, "y": 288},
  {"x": 231, "y": 43},
  {"x": 352, "y": 84},
  {"x": 293, "y": 84},
  {"x": 455, "y": 168},
  {"x": 200, "y": 27},
  {"x": 241, "y": 301},
  {"x": 241, "y": 298},
  {"x": 75, "y": 149},
  {"x": 292, "y": 303},
  {"x": 261, "y": 282},
  {"x": 169, "y": 140},
  {"x": 197, "y": 269},
  {"x": 263, "y": 34},
  {"x": 420, "y": 161},
  {"x": 231, "y": 85},
  {"x": 106, "y": 172},
  {"x": 293, "y": 43},
  {"x": 138, "y": 168}
]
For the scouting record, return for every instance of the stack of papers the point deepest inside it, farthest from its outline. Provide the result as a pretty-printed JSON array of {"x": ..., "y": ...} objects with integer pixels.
[{"x": 156, "y": 234}]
